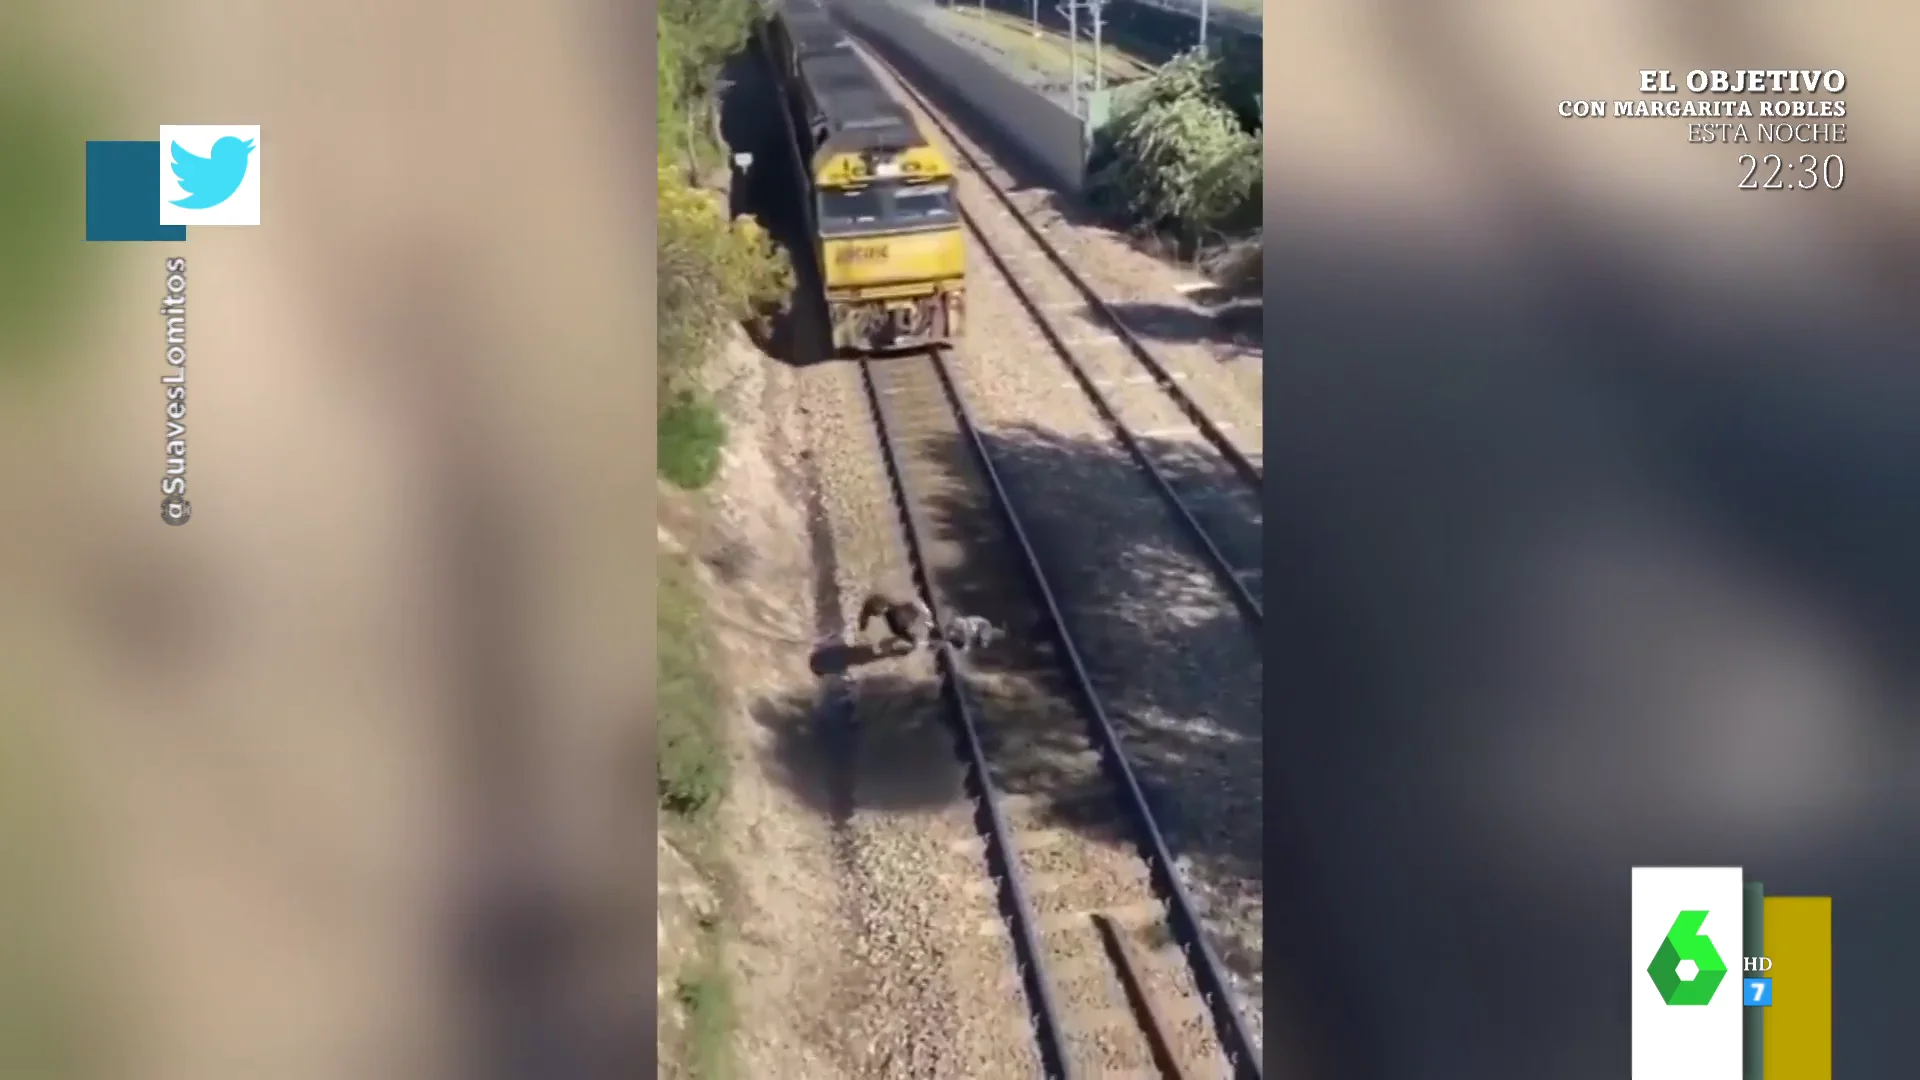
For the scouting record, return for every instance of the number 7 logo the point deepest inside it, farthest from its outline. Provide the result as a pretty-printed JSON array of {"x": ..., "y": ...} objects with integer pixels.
[{"x": 1759, "y": 993}]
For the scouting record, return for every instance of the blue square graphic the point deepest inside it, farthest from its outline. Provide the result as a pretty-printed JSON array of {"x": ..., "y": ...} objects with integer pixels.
[
  {"x": 1757, "y": 993},
  {"x": 123, "y": 193}
]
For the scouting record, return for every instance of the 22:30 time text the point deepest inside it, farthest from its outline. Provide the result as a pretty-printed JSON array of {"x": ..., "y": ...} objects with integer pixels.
[{"x": 1771, "y": 172}]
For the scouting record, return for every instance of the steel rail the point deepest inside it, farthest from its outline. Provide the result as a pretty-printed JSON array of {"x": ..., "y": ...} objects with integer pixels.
[
  {"x": 1229, "y": 575},
  {"x": 1048, "y": 1031},
  {"x": 1253, "y": 475},
  {"x": 1223, "y": 567},
  {"x": 1242, "y": 1050}
]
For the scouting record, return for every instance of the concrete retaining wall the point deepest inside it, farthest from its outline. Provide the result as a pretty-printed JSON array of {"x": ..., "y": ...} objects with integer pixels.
[{"x": 1027, "y": 121}]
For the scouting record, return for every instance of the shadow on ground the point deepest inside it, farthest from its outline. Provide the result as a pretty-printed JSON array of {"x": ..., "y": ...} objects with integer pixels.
[
  {"x": 771, "y": 190},
  {"x": 1134, "y": 564},
  {"x": 1237, "y": 323},
  {"x": 1194, "y": 745},
  {"x": 839, "y": 658}
]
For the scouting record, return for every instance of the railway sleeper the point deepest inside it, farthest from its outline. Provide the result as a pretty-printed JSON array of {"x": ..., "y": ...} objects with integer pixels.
[
  {"x": 1081, "y": 801},
  {"x": 1110, "y": 1040},
  {"x": 1110, "y": 829},
  {"x": 1075, "y": 760},
  {"x": 1038, "y": 883},
  {"x": 1134, "y": 917},
  {"x": 1107, "y": 830},
  {"x": 1208, "y": 492},
  {"x": 1111, "y": 382},
  {"x": 1102, "y": 1019},
  {"x": 1186, "y": 432},
  {"x": 1075, "y": 897},
  {"x": 1151, "y": 946},
  {"x": 1186, "y": 1018}
]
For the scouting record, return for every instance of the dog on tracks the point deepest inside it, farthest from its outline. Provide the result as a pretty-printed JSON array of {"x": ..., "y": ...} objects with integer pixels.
[{"x": 910, "y": 626}]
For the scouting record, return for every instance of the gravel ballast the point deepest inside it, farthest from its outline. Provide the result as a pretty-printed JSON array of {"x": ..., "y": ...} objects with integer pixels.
[
  {"x": 929, "y": 995},
  {"x": 1178, "y": 668}
]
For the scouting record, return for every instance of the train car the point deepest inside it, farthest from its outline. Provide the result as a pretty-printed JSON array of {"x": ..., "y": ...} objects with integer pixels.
[
  {"x": 880, "y": 201},
  {"x": 796, "y": 30}
]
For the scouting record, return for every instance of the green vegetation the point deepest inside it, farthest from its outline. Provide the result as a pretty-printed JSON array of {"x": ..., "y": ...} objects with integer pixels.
[
  {"x": 712, "y": 271},
  {"x": 697, "y": 37},
  {"x": 692, "y": 777},
  {"x": 693, "y": 757},
  {"x": 1181, "y": 156},
  {"x": 691, "y": 435},
  {"x": 44, "y": 278},
  {"x": 706, "y": 996}
]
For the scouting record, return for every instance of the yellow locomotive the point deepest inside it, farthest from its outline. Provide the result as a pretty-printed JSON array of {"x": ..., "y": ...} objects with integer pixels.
[{"x": 880, "y": 200}]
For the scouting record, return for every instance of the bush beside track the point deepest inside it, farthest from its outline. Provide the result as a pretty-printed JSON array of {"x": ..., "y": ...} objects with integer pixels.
[
  {"x": 1181, "y": 158},
  {"x": 712, "y": 271},
  {"x": 1178, "y": 156}
]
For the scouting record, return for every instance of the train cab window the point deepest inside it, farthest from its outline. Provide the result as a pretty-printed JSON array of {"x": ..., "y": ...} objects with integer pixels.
[
  {"x": 884, "y": 207},
  {"x": 852, "y": 211},
  {"x": 923, "y": 204}
]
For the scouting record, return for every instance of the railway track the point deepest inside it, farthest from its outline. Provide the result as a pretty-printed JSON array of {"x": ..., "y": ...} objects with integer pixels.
[
  {"x": 1116, "y": 966},
  {"x": 1203, "y": 468}
]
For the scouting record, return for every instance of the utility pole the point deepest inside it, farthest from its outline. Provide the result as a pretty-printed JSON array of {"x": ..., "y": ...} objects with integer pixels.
[
  {"x": 1072, "y": 12},
  {"x": 1095, "y": 10},
  {"x": 1099, "y": 8},
  {"x": 1203, "y": 27}
]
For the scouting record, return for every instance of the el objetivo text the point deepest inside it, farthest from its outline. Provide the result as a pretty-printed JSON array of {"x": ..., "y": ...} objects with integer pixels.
[{"x": 1782, "y": 120}]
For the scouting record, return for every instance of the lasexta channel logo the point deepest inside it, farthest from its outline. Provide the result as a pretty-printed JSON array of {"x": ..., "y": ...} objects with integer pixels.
[{"x": 1684, "y": 946}]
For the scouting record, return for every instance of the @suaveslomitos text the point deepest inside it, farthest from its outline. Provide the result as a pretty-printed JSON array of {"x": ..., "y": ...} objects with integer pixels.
[{"x": 174, "y": 507}]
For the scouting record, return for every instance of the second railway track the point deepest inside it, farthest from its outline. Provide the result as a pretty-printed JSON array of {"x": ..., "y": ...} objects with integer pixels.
[
  {"x": 1206, "y": 469},
  {"x": 1118, "y": 967}
]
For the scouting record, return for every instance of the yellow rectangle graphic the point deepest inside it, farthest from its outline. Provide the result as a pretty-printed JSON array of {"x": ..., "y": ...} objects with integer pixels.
[{"x": 1799, "y": 1024}]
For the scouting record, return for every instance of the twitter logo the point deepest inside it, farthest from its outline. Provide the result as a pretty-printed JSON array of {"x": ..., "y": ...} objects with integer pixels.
[
  {"x": 210, "y": 181},
  {"x": 212, "y": 176}
]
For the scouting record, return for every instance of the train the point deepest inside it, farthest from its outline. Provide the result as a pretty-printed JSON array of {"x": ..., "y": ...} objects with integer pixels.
[{"x": 879, "y": 195}]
